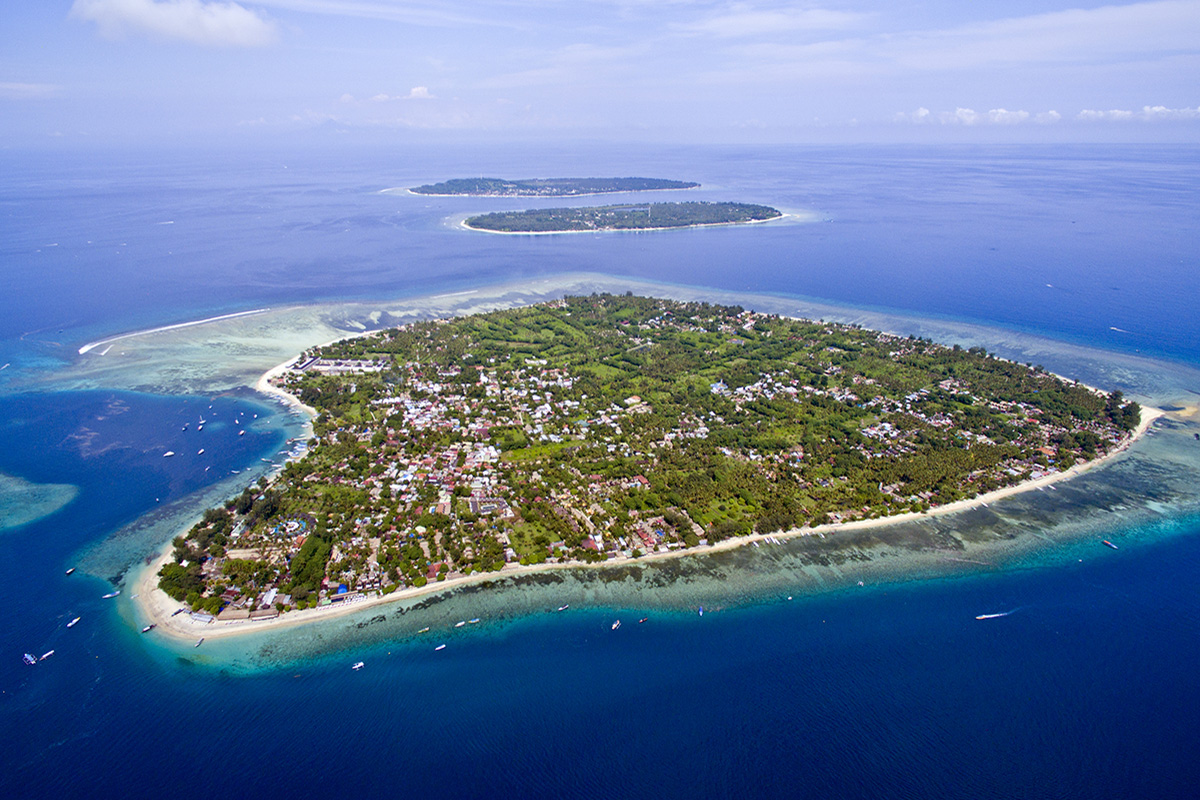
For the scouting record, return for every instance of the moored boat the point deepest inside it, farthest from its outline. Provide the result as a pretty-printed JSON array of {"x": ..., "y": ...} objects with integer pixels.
[
  {"x": 643, "y": 619},
  {"x": 616, "y": 625},
  {"x": 423, "y": 630},
  {"x": 439, "y": 647},
  {"x": 29, "y": 659},
  {"x": 69, "y": 570},
  {"x": 168, "y": 454},
  {"x": 460, "y": 623},
  {"x": 564, "y": 607},
  {"x": 71, "y": 624},
  {"x": 149, "y": 628},
  {"x": 199, "y": 642},
  {"x": 358, "y": 665},
  {"x": 1110, "y": 544},
  {"x": 111, "y": 594}
]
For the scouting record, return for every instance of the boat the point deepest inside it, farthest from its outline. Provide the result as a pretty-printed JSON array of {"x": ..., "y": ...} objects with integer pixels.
[
  {"x": 992, "y": 616},
  {"x": 643, "y": 619},
  {"x": 241, "y": 433},
  {"x": 358, "y": 665},
  {"x": 149, "y": 628},
  {"x": 439, "y": 647},
  {"x": 46, "y": 655},
  {"x": 616, "y": 625},
  {"x": 111, "y": 595},
  {"x": 201, "y": 452},
  {"x": 176, "y": 612},
  {"x": 29, "y": 659},
  {"x": 702, "y": 611},
  {"x": 564, "y": 607},
  {"x": 472, "y": 621},
  {"x": 199, "y": 642},
  {"x": 69, "y": 570},
  {"x": 71, "y": 624},
  {"x": 423, "y": 630},
  {"x": 168, "y": 454},
  {"x": 460, "y": 623},
  {"x": 199, "y": 427},
  {"x": 1110, "y": 544}
]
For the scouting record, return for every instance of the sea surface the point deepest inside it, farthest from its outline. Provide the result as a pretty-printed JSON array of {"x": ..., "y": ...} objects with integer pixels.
[{"x": 797, "y": 681}]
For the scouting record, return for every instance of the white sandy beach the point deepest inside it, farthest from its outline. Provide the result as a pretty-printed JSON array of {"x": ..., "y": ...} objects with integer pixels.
[
  {"x": 159, "y": 608},
  {"x": 782, "y": 216}
]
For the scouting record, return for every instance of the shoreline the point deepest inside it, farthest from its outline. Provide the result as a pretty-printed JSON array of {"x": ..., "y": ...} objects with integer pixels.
[
  {"x": 409, "y": 190},
  {"x": 159, "y": 608},
  {"x": 782, "y": 215}
]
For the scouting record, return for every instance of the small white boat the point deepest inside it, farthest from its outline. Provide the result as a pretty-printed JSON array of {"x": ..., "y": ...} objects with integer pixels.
[
  {"x": 358, "y": 665},
  {"x": 992, "y": 616},
  {"x": 71, "y": 624},
  {"x": 702, "y": 611},
  {"x": 149, "y": 628},
  {"x": 168, "y": 454},
  {"x": 69, "y": 570},
  {"x": 111, "y": 595},
  {"x": 564, "y": 607},
  {"x": 46, "y": 655},
  {"x": 241, "y": 433},
  {"x": 200, "y": 452},
  {"x": 460, "y": 623},
  {"x": 423, "y": 630},
  {"x": 616, "y": 625},
  {"x": 439, "y": 647},
  {"x": 199, "y": 642}
]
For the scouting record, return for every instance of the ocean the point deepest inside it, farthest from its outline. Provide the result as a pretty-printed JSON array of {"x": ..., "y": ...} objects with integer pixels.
[{"x": 796, "y": 682}]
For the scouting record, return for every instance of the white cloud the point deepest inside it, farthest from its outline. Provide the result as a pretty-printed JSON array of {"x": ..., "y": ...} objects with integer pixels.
[
  {"x": 968, "y": 116},
  {"x": 1147, "y": 114},
  {"x": 1002, "y": 116},
  {"x": 207, "y": 23},
  {"x": 419, "y": 93},
  {"x": 742, "y": 20},
  {"x": 26, "y": 91}
]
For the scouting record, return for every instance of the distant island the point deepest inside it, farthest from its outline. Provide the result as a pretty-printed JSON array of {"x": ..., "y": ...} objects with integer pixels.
[
  {"x": 605, "y": 428},
  {"x": 623, "y": 217},
  {"x": 548, "y": 187}
]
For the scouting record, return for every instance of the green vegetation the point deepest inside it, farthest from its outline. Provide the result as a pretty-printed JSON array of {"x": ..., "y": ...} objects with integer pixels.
[
  {"x": 549, "y": 187},
  {"x": 592, "y": 427},
  {"x": 625, "y": 217}
]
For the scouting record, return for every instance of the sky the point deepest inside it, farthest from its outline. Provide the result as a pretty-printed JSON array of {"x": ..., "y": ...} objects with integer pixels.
[{"x": 686, "y": 70}]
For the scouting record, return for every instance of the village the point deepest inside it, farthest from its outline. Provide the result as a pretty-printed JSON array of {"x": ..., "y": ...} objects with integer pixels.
[{"x": 589, "y": 429}]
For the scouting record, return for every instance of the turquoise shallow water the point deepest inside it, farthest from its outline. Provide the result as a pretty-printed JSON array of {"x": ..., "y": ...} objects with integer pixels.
[{"x": 889, "y": 689}]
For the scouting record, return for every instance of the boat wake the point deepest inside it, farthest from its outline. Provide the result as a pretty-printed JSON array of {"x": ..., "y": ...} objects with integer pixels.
[{"x": 999, "y": 614}]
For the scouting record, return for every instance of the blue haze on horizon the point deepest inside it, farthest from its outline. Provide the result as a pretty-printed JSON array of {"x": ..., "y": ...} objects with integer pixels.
[{"x": 686, "y": 70}]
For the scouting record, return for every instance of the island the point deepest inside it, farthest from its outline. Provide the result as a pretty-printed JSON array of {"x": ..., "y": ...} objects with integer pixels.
[
  {"x": 548, "y": 187},
  {"x": 623, "y": 217},
  {"x": 604, "y": 428}
]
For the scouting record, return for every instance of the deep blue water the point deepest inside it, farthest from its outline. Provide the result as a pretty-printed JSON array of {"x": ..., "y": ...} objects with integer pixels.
[{"x": 1086, "y": 690}]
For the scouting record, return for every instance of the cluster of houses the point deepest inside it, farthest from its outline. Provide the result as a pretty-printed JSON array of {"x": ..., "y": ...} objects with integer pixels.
[{"x": 462, "y": 477}]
